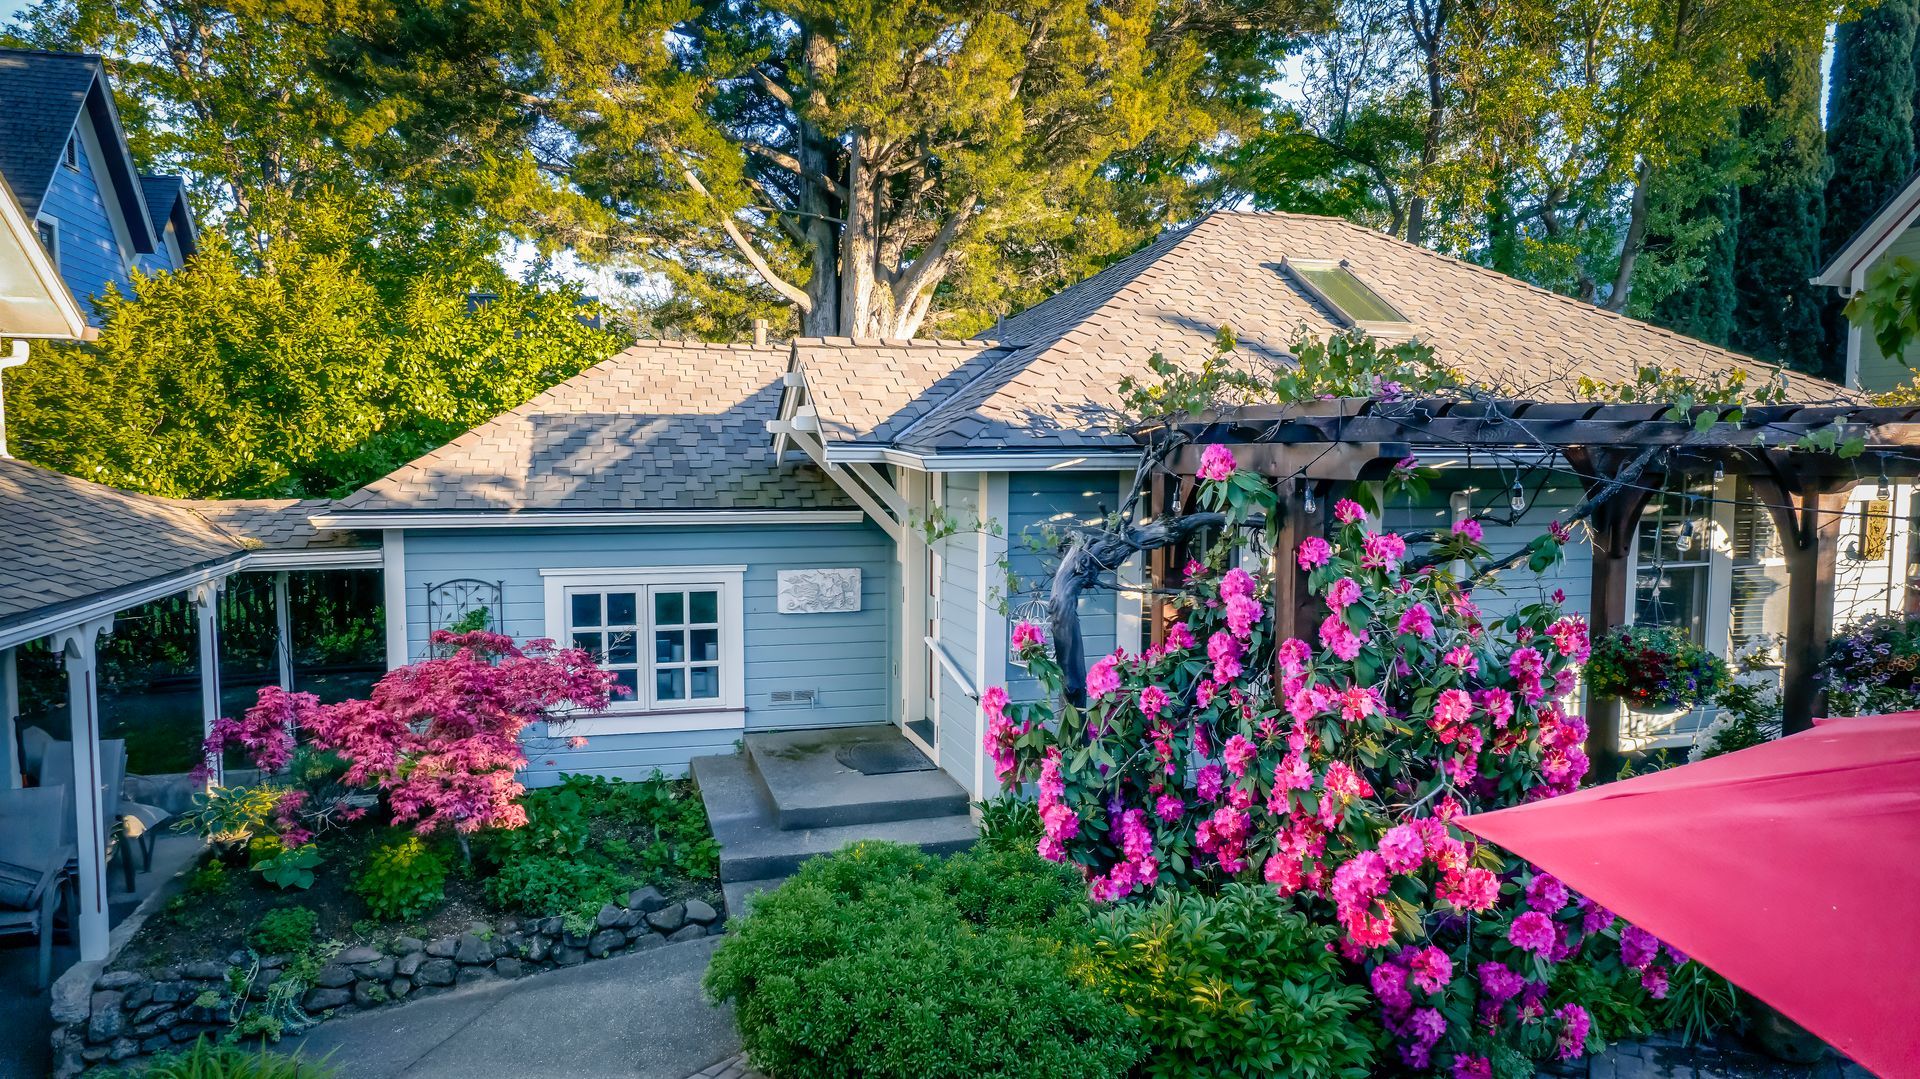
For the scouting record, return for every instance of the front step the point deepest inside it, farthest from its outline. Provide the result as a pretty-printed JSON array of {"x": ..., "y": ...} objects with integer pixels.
[
  {"x": 811, "y": 779},
  {"x": 755, "y": 849}
]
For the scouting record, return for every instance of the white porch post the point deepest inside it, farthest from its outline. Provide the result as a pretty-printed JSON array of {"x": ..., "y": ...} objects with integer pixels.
[
  {"x": 80, "y": 647},
  {"x": 206, "y": 604},
  {"x": 283, "y": 631},
  {"x": 10, "y": 714}
]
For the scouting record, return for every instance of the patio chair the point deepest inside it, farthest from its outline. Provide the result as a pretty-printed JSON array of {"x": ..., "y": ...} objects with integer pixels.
[
  {"x": 33, "y": 856},
  {"x": 113, "y": 767},
  {"x": 139, "y": 822}
]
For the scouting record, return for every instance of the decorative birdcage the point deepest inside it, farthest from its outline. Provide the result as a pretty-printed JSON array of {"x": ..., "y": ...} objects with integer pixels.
[{"x": 1035, "y": 611}]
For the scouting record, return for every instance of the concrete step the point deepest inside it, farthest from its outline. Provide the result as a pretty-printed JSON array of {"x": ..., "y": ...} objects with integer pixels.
[
  {"x": 739, "y": 892},
  {"x": 810, "y": 784},
  {"x": 753, "y": 846}
]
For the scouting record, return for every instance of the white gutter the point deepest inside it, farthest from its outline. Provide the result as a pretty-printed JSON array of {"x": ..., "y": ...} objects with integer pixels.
[
  {"x": 311, "y": 558},
  {"x": 582, "y": 519},
  {"x": 1098, "y": 460}
]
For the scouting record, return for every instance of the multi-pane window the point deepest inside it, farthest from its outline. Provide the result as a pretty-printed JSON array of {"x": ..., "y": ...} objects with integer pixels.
[
  {"x": 1675, "y": 553},
  {"x": 663, "y": 643}
]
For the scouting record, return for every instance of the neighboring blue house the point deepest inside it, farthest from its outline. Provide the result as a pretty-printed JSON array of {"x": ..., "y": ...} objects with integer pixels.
[
  {"x": 65, "y": 155},
  {"x": 835, "y": 532}
]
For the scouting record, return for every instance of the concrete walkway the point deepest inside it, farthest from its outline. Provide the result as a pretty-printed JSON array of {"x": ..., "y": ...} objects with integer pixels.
[{"x": 639, "y": 1015}]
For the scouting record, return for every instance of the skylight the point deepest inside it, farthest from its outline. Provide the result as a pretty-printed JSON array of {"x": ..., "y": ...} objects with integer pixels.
[{"x": 1333, "y": 284}]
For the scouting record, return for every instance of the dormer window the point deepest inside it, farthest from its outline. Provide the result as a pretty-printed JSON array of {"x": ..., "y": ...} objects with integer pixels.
[
  {"x": 49, "y": 230},
  {"x": 70, "y": 157},
  {"x": 1348, "y": 297}
]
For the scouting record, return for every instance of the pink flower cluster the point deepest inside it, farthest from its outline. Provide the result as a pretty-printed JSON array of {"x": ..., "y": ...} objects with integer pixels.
[{"x": 1216, "y": 463}]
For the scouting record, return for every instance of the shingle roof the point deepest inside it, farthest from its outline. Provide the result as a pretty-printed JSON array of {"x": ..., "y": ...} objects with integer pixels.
[
  {"x": 40, "y": 98},
  {"x": 69, "y": 541},
  {"x": 660, "y": 426},
  {"x": 873, "y": 390},
  {"x": 275, "y": 524},
  {"x": 166, "y": 196},
  {"x": 1056, "y": 386}
]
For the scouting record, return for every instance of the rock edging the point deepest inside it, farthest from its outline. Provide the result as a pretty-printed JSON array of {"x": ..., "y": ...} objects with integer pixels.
[{"x": 131, "y": 1014}]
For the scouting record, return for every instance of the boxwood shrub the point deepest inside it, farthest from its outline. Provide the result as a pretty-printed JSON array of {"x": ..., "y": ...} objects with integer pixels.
[
  {"x": 883, "y": 961},
  {"x": 1237, "y": 984}
]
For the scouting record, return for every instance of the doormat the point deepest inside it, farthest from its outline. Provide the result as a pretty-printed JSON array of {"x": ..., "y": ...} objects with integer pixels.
[{"x": 883, "y": 758}]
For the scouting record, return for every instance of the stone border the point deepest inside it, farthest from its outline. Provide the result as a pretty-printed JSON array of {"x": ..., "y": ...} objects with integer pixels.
[{"x": 130, "y": 1014}]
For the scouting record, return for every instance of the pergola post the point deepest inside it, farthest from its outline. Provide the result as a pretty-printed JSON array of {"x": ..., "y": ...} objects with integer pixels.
[
  {"x": 80, "y": 649},
  {"x": 282, "y": 631},
  {"x": 10, "y": 714},
  {"x": 1809, "y": 528},
  {"x": 206, "y": 604},
  {"x": 1613, "y": 524},
  {"x": 1293, "y": 605}
]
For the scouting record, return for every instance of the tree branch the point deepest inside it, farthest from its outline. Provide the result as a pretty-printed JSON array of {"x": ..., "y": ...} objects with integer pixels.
[
  {"x": 922, "y": 270},
  {"x": 793, "y": 293}
]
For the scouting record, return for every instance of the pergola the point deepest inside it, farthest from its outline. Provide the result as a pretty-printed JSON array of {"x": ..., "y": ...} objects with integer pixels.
[{"x": 1618, "y": 454}]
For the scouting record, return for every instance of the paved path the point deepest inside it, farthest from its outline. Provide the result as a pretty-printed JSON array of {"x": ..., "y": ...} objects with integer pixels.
[{"x": 639, "y": 1016}]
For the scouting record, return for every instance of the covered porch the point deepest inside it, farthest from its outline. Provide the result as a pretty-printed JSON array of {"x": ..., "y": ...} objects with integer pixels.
[{"x": 112, "y": 610}]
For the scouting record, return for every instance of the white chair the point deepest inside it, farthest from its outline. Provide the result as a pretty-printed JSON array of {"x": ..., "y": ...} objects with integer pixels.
[{"x": 33, "y": 856}]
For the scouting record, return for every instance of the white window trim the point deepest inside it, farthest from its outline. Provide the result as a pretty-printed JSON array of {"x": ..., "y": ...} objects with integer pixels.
[
  {"x": 53, "y": 251},
  {"x": 727, "y": 713}
]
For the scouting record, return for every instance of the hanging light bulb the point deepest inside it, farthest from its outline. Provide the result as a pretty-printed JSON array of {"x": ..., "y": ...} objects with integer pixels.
[
  {"x": 1685, "y": 542},
  {"x": 1308, "y": 502},
  {"x": 1517, "y": 497},
  {"x": 1719, "y": 471},
  {"x": 1885, "y": 492}
]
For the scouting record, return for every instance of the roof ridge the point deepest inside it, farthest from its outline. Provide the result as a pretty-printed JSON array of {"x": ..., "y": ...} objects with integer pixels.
[{"x": 63, "y": 54}]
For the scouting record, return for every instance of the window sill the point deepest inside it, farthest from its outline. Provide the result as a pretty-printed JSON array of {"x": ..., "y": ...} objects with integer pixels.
[{"x": 640, "y": 722}]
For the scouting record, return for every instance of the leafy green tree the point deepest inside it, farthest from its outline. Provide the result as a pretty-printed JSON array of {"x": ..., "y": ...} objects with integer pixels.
[
  {"x": 1686, "y": 281},
  {"x": 1782, "y": 210},
  {"x": 312, "y": 378},
  {"x": 876, "y": 166}
]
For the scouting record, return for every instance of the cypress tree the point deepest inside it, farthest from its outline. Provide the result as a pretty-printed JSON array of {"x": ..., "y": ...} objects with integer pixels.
[
  {"x": 1777, "y": 308},
  {"x": 1869, "y": 116},
  {"x": 1869, "y": 135},
  {"x": 1698, "y": 218}
]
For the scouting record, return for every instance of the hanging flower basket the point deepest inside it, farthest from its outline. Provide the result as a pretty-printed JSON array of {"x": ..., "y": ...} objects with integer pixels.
[{"x": 1654, "y": 669}]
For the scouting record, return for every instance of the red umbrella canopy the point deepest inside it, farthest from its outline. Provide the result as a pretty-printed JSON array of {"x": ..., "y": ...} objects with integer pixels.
[{"x": 1792, "y": 869}]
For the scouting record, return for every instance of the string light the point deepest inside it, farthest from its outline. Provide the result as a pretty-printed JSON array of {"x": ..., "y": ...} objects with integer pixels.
[
  {"x": 1885, "y": 492},
  {"x": 1308, "y": 503},
  {"x": 1719, "y": 471},
  {"x": 1517, "y": 497}
]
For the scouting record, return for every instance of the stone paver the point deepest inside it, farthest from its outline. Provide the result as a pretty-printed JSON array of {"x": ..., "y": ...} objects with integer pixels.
[
  {"x": 734, "y": 1067},
  {"x": 1662, "y": 1058}
]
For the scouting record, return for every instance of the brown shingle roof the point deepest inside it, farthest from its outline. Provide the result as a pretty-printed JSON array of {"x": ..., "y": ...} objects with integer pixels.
[
  {"x": 872, "y": 390},
  {"x": 660, "y": 426},
  {"x": 276, "y": 524},
  {"x": 68, "y": 541},
  {"x": 1056, "y": 387}
]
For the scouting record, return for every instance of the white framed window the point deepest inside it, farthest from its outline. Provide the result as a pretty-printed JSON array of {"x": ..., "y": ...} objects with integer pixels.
[
  {"x": 49, "y": 230},
  {"x": 70, "y": 156},
  {"x": 673, "y": 639}
]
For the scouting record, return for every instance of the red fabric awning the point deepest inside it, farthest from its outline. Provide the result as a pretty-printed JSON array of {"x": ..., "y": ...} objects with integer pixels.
[{"x": 1792, "y": 869}]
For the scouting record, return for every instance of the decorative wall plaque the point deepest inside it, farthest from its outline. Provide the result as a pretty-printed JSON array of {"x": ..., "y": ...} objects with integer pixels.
[{"x": 819, "y": 591}]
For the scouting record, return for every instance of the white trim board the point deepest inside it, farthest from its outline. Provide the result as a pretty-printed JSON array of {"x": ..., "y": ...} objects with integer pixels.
[
  {"x": 107, "y": 605},
  {"x": 398, "y": 519}
]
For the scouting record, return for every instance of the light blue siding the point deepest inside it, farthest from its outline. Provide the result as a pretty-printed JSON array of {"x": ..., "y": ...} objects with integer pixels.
[
  {"x": 959, "y": 622},
  {"x": 90, "y": 253},
  {"x": 1041, "y": 506},
  {"x": 843, "y": 657},
  {"x": 1489, "y": 492}
]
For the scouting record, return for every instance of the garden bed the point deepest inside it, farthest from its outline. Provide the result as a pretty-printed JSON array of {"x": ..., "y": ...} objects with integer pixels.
[{"x": 601, "y": 868}]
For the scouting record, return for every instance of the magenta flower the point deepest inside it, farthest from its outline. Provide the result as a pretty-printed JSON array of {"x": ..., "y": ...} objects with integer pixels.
[
  {"x": 1343, "y": 593},
  {"x": 1469, "y": 1066},
  {"x": 1293, "y": 655},
  {"x": 1237, "y": 754},
  {"x": 1104, "y": 677},
  {"x": 1575, "y": 1023},
  {"x": 1179, "y": 637},
  {"x": 1431, "y": 968},
  {"x": 1027, "y": 634},
  {"x": 1469, "y": 528},
  {"x": 1417, "y": 621},
  {"x": 1313, "y": 552},
  {"x": 1216, "y": 463},
  {"x": 1546, "y": 894},
  {"x": 1347, "y": 511},
  {"x": 1532, "y": 932}
]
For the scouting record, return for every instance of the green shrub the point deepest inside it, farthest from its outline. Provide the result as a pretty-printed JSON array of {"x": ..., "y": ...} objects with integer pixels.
[
  {"x": 556, "y": 885},
  {"x": 206, "y": 1059},
  {"x": 283, "y": 930},
  {"x": 404, "y": 878},
  {"x": 286, "y": 867},
  {"x": 1233, "y": 985},
  {"x": 865, "y": 964},
  {"x": 1009, "y": 820},
  {"x": 591, "y": 816}
]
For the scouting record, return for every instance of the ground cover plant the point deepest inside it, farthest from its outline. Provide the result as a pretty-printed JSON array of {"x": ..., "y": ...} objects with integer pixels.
[{"x": 1330, "y": 772}]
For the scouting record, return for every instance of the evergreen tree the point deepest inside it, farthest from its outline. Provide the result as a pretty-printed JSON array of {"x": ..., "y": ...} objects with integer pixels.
[
  {"x": 1869, "y": 116},
  {"x": 1691, "y": 256},
  {"x": 1777, "y": 251}
]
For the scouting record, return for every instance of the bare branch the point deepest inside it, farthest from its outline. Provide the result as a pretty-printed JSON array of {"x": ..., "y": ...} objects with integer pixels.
[
  {"x": 793, "y": 293},
  {"x": 924, "y": 269}
]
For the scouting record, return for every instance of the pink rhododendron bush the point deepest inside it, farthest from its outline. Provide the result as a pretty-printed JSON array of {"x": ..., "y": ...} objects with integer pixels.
[
  {"x": 438, "y": 741},
  {"x": 1331, "y": 770}
]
